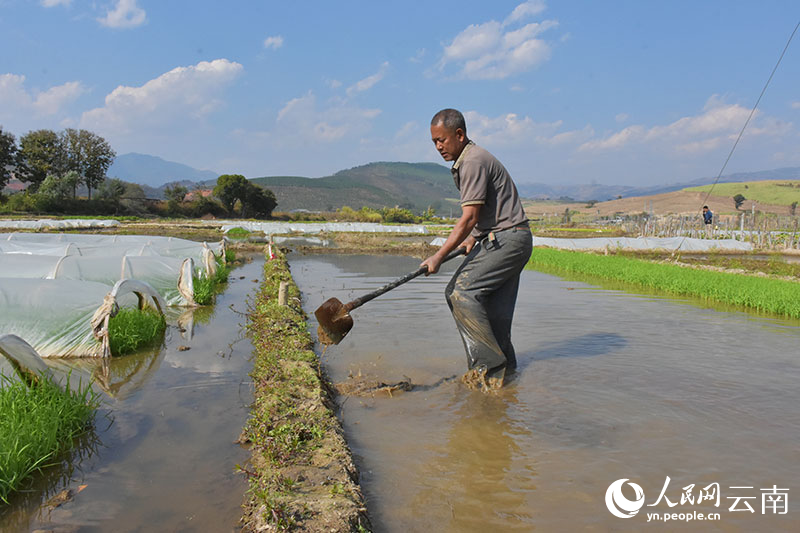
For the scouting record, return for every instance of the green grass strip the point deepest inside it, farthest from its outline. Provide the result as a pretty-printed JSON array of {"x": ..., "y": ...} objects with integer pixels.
[
  {"x": 767, "y": 295},
  {"x": 132, "y": 329},
  {"x": 36, "y": 425},
  {"x": 205, "y": 287},
  {"x": 292, "y": 428}
]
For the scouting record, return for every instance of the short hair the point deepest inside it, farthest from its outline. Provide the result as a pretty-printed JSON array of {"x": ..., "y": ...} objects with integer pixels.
[
  {"x": 452, "y": 119},
  {"x": 705, "y": 207}
]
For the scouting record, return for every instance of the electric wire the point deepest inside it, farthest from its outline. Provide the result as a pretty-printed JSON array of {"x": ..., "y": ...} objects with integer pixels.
[{"x": 749, "y": 117}]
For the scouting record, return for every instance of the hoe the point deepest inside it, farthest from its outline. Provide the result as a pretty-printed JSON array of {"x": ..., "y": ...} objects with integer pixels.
[{"x": 334, "y": 316}]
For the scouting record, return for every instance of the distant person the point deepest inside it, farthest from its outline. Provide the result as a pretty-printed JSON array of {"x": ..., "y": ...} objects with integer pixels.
[
  {"x": 708, "y": 219},
  {"x": 494, "y": 231}
]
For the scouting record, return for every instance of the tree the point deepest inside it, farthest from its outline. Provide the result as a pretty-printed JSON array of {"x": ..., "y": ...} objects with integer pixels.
[
  {"x": 175, "y": 193},
  {"x": 738, "y": 200},
  {"x": 111, "y": 189},
  {"x": 258, "y": 202},
  {"x": 60, "y": 187},
  {"x": 8, "y": 156},
  {"x": 41, "y": 154},
  {"x": 89, "y": 155},
  {"x": 230, "y": 188}
]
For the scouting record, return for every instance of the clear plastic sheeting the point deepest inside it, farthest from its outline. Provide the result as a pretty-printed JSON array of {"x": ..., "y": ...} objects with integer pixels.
[
  {"x": 57, "y": 292},
  {"x": 50, "y": 224},
  {"x": 23, "y": 358},
  {"x": 275, "y": 228},
  {"x": 683, "y": 244},
  {"x": 158, "y": 261}
]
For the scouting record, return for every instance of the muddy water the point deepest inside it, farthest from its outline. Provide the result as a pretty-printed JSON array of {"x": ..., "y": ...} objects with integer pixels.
[
  {"x": 610, "y": 386},
  {"x": 163, "y": 455}
]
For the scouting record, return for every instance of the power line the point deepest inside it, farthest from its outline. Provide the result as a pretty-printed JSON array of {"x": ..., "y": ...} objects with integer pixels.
[{"x": 752, "y": 112}]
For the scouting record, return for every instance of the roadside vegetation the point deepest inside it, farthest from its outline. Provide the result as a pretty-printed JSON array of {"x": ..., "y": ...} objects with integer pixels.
[
  {"x": 301, "y": 473},
  {"x": 131, "y": 329},
  {"x": 37, "y": 424},
  {"x": 768, "y": 295}
]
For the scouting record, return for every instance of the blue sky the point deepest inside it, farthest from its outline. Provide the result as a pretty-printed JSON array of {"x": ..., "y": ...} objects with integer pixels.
[{"x": 624, "y": 92}]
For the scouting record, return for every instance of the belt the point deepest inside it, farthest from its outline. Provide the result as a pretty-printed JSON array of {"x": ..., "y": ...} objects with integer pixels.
[{"x": 519, "y": 227}]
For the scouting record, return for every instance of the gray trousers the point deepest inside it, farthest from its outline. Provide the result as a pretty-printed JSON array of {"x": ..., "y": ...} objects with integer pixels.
[{"x": 482, "y": 296}]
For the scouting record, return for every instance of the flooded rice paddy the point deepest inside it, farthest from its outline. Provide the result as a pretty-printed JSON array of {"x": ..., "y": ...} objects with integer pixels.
[
  {"x": 610, "y": 386},
  {"x": 163, "y": 455}
]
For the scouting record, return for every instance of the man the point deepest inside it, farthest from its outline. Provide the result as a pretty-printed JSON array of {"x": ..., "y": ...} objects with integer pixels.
[
  {"x": 708, "y": 218},
  {"x": 494, "y": 230}
]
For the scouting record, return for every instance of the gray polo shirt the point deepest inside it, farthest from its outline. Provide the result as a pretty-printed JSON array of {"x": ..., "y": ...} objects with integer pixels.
[{"x": 483, "y": 180}]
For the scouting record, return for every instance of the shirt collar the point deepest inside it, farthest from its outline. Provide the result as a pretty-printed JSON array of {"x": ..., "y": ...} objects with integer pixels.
[{"x": 457, "y": 164}]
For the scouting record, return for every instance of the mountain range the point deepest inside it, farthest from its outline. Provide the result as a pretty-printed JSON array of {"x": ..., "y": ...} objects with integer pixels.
[
  {"x": 413, "y": 185},
  {"x": 154, "y": 172}
]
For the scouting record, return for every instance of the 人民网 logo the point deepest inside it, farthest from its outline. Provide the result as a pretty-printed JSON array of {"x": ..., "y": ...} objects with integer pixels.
[{"x": 621, "y": 506}]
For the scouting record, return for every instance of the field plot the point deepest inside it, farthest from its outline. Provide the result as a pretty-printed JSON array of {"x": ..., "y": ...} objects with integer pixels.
[
  {"x": 57, "y": 289},
  {"x": 610, "y": 386},
  {"x": 161, "y": 455}
]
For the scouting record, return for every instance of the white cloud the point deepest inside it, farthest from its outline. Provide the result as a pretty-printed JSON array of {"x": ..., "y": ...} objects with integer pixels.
[
  {"x": 795, "y": 105},
  {"x": 16, "y": 99},
  {"x": 182, "y": 93},
  {"x": 368, "y": 82},
  {"x": 622, "y": 117},
  {"x": 53, "y": 3},
  {"x": 417, "y": 58},
  {"x": 512, "y": 130},
  {"x": 274, "y": 42},
  {"x": 492, "y": 51},
  {"x": 408, "y": 129},
  {"x": 54, "y": 99},
  {"x": 526, "y": 9},
  {"x": 126, "y": 14},
  {"x": 300, "y": 117},
  {"x": 718, "y": 123}
]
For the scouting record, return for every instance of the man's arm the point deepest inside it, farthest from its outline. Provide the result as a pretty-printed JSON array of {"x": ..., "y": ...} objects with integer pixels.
[{"x": 462, "y": 229}]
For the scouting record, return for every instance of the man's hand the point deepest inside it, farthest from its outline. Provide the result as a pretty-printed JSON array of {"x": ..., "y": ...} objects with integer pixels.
[
  {"x": 459, "y": 236},
  {"x": 433, "y": 263},
  {"x": 468, "y": 243}
]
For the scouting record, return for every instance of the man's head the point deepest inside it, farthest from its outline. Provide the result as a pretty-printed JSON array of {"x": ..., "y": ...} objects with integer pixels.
[
  {"x": 449, "y": 133},
  {"x": 705, "y": 208}
]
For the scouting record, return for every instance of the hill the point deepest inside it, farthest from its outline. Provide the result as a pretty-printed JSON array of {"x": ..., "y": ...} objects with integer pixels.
[
  {"x": 594, "y": 191},
  {"x": 384, "y": 184},
  {"x": 777, "y": 192},
  {"x": 154, "y": 172}
]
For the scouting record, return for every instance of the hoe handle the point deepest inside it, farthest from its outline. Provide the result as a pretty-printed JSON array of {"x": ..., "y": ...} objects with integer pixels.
[{"x": 358, "y": 302}]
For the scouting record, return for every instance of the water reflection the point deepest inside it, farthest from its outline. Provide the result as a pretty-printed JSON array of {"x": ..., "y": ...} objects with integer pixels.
[{"x": 458, "y": 485}]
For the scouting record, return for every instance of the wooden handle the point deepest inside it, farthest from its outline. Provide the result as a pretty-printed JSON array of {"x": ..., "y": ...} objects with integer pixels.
[{"x": 358, "y": 302}]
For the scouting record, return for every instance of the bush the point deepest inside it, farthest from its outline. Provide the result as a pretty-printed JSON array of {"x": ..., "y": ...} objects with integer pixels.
[{"x": 398, "y": 215}]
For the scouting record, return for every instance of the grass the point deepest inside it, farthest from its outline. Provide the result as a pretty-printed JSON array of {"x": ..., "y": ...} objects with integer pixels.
[
  {"x": 36, "y": 425},
  {"x": 776, "y": 192},
  {"x": 132, "y": 329},
  {"x": 238, "y": 233},
  {"x": 295, "y": 435},
  {"x": 775, "y": 296},
  {"x": 205, "y": 287}
]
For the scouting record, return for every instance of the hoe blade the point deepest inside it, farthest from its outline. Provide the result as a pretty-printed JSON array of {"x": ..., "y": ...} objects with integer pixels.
[{"x": 334, "y": 321}]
